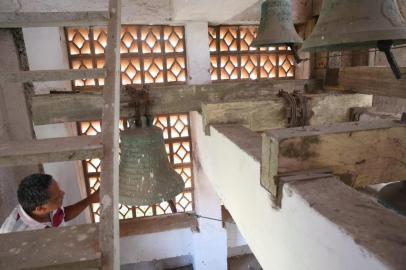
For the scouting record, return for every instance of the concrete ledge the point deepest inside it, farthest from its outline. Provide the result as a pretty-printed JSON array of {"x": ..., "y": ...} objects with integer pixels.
[{"x": 323, "y": 224}]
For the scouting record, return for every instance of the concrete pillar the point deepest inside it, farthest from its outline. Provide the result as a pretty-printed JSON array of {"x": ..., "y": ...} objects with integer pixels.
[
  {"x": 198, "y": 54},
  {"x": 210, "y": 244}
]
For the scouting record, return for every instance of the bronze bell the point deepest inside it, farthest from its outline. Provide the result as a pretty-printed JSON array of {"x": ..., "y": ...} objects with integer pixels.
[
  {"x": 393, "y": 196},
  {"x": 146, "y": 176},
  {"x": 276, "y": 27},
  {"x": 361, "y": 24}
]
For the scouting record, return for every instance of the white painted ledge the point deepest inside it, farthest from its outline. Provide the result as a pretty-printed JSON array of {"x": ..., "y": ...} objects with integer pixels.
[{"x": 323, "y": 223}]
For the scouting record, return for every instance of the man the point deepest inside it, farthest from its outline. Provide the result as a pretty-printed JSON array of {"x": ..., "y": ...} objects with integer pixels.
[{"x": 40, "y": 205}]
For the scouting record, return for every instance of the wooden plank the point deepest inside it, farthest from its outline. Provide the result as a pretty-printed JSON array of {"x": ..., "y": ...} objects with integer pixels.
[
  {"x": 373, "y": 80},
  {"x": 361, "y": 153},
  {"x": 50, "y": 150},
  {"x": 158, "y": 224},
  {"x": 74, "y": 247},
  {"x": 109, "y": 225},
  {"x": 270, "y": 113},
  {"x": 59, "y": 108},
  {"x": 51, "y": 75},
  {"x": 52, "y": 19}
]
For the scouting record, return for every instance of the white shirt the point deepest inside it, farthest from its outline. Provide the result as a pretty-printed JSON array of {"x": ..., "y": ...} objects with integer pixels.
[{"x": 19, "y": 220}]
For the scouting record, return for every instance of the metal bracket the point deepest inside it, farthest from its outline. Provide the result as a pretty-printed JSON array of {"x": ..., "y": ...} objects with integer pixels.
[{"x": 292, "y": 177}]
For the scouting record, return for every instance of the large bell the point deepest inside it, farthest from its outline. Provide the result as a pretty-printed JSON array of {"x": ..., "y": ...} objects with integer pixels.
[
  {"x": 356, "y": 24},
  {"x": 146, "y": 177},
  {"x": 393, "y": 196},
  {"x": 276, "y": 27}
]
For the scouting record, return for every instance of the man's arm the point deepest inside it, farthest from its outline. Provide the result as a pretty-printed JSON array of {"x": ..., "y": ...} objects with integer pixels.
[{"x": 74, "y": 210}]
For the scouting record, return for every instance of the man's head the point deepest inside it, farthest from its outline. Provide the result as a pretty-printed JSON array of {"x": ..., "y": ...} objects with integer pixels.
[{"x": 39, "y": 194}]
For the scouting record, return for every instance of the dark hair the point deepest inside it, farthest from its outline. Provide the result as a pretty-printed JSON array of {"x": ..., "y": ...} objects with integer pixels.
[{"x": 33, "y": 191}]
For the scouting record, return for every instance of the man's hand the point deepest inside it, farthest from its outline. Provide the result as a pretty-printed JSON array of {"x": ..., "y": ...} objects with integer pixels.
[{"x": 74, "y": 210}]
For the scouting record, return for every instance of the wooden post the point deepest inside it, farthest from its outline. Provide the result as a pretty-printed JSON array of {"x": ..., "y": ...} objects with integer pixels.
[
  {"x": 361, "y": 153},
  {"x": 372, "y": 80},
  {"x": 270, "y": 113},
  {"x": 109, "y": 226}
]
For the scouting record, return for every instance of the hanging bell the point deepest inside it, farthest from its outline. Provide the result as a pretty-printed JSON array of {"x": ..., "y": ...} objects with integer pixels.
[
  {"x": 393, "y": 196},
  {"x": 146, "y": 176},
  {"x": 276, "y": 27},
  {"x": 361, "y": 24}
]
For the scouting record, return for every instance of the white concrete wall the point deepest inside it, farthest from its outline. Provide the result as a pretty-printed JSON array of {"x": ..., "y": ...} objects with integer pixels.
[{"x": 294, "y": 238}]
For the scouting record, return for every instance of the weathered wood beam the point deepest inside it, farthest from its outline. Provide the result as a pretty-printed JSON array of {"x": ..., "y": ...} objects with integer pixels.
[
  {"x": 73, "y": 247},
  {"x": 373, "y": 80},
  {"x": 50, "y": 150},
  {"x": 158, "y": 224},
  {"x": 48, "y": 19},
  {"x": 362, "y": 153},
  {"x": 51, "y": 75},
  {"x": 270, "y": 113},
  {"x": 109, "y": 220},
  {"x": 59, "y": 108}
]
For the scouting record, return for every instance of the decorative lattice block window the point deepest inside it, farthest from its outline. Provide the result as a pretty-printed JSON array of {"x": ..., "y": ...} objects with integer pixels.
[
  {"x": 149, "y": 55},
  {"x": 232, "y": 57}
]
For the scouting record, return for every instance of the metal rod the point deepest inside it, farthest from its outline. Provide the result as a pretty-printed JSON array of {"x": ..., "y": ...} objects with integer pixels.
[{"x": 385, "y": 46}]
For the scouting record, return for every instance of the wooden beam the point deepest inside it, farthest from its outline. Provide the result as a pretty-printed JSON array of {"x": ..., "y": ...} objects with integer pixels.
[
  {"x": 158, "y": 224},
  {"x": 52, "y": 19},
  {"x": 270, "y": 113},
  {"x": 373, "y": 80},
  {"x": 109, "y": 225},
  {"x": 74, "y": 247},
  {"x": 51, "y": 75},
  {"x": 50, "y": 150},
  {"x": 59, "y": 108},
  {"x": 362, "y": 153}
]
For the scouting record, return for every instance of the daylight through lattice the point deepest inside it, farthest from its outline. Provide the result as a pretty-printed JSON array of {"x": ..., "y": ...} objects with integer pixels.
[
  {"x": 149, "y": 54},
  {"x": 232, "y": 57}
]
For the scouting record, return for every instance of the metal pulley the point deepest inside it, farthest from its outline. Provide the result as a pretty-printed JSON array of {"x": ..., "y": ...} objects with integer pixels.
[
  {"x": 361, "y": 24},
  {"x": 276, "y": 27}
]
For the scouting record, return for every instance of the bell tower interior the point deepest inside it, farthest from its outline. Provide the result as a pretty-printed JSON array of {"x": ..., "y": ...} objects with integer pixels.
[{"x": 222, "y": 135}]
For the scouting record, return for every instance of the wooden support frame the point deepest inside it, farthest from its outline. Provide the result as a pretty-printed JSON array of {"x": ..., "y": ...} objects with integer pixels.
[
  {"x": 270, "y": 113},
  {"x": 48, "y": 19},
  {"x": 75, "y": 247},
  {"x": 361, "y": 153},
  {"x": 59, "y": 108},
  {"x": 51, "y": 75},
  {"x": 372, "y": 80},
  {"x": 109, "y": 225},
  {"x": 156, "y": 224},
  {"x": 50, "y": 150}
]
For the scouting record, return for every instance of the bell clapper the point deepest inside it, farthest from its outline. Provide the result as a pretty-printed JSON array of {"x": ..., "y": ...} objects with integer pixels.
[
  {"x": 292, "y": 46},
  {"x": 172, "y": 205},
  {"x": 386, "y": 46}
]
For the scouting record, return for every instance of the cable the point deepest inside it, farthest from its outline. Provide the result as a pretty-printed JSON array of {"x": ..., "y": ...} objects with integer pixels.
[{"x": 209, "y": 218}]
